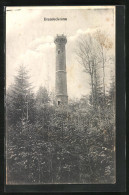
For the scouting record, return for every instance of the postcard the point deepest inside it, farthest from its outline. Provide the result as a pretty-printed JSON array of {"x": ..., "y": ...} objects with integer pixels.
[{"x": 60, "y": 95}]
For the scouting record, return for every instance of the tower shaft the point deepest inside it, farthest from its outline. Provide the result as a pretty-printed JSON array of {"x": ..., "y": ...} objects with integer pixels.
[{"x": 61, "y": 75}]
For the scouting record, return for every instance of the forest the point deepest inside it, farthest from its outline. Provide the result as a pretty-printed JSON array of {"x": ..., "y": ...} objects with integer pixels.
[{"x": 50, "y": 144}]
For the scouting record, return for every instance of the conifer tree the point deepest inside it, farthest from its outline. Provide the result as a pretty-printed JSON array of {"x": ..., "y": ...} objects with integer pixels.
[{"x": 20, "y": 99}]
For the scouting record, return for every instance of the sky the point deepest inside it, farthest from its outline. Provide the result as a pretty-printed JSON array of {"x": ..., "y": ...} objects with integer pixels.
[{"x": 30, "y": 42}]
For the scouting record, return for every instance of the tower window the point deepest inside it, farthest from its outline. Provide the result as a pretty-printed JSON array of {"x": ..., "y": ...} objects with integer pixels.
[
  {"x": 58, "y": 102},
  {"x": 58, "y": 51}
]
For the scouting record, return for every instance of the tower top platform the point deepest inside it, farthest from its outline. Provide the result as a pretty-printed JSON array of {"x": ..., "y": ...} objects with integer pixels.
[{"x": 59, "y": 39}]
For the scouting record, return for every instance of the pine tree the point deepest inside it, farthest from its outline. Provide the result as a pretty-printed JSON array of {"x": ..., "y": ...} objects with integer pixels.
[{"x": 20, "y": 99}]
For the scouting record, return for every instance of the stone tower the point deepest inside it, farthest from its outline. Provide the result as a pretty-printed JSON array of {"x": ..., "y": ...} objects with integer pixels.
[{"x": 61, "y": 77}]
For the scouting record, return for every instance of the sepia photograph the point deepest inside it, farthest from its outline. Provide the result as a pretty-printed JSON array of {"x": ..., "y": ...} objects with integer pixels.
[{"x": 60, "y": 95}]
